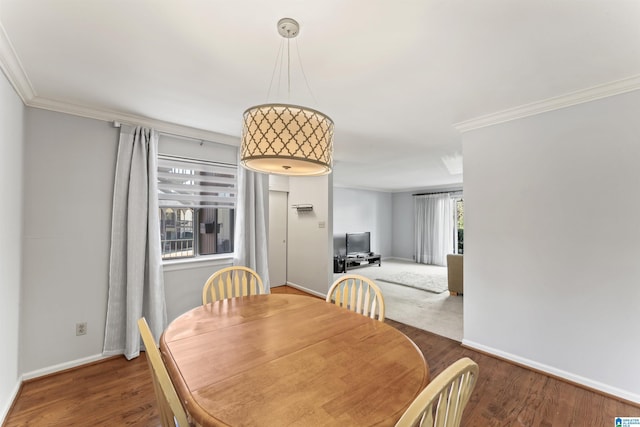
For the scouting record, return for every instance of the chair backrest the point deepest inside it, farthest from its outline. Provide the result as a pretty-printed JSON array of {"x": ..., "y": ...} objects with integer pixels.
[
  {"x": 229, "y": 282},
  {"x": 172, "y": 413},
  {"x": 359, "y": 294},
  {"x": 442, "y": 401}
]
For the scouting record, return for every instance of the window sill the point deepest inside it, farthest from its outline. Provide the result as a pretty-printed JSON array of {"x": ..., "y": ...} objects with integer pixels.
[{"x": 198, "y": 262}]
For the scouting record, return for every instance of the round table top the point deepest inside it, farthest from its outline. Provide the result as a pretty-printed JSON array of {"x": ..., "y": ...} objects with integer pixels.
[{"x": 284, "y": 359}]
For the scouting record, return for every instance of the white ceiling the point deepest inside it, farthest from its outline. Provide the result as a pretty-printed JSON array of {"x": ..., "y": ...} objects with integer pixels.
[{"x": 394, "y": 76}]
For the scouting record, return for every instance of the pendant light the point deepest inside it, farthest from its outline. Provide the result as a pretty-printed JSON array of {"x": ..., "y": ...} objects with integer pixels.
[{"x": 287, "y": 139}]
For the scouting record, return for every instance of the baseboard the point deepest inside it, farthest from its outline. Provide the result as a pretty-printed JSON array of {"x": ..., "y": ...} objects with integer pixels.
[
  {"x": 10, "y": 402},
  {"x": 63, "y": 366},
  {"x": 307, "y": 290},
  {"x": 556, "y": 373}
]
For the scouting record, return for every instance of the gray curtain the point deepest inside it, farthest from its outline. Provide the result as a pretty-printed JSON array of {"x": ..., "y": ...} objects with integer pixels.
[
  {"x": 251, "y": 228},
  {"x": 434, "y": 227},
  {"x": 136, "y": 285}
]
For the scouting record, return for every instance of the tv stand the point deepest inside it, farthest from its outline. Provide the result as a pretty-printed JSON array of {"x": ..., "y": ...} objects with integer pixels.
[{"x": 361, "y": 260}]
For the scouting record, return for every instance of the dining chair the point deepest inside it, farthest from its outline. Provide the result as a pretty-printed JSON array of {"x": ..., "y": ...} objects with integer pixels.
[
  {"x": 172, "y": 414},
  {"x": 442, "y": 401},
  {"x": 359, "y": 294},
  {"x": 229, "y": 282}
]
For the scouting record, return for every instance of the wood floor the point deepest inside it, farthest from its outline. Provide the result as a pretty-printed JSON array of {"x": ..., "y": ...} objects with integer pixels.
[{"x": 117, "y": 392}]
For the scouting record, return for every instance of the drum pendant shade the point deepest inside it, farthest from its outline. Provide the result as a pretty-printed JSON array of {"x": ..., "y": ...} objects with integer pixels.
[{"x": 287, "y": 140}]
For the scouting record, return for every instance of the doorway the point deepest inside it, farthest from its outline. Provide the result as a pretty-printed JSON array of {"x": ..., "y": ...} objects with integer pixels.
[{"x": 278, "y": 238}]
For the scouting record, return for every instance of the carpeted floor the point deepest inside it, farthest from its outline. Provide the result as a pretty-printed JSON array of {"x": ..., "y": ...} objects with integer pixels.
[
  {"x": 439, "y": 313},
  {"x": 430, "y": 278}
]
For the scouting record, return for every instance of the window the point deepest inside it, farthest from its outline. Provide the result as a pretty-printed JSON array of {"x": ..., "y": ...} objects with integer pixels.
[
  {"x": 459, "y": 229},
  {"x": 197, "y": 202}
]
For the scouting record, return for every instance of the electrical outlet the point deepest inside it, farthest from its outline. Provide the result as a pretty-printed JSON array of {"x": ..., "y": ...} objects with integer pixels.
[{"x": 81, "y": 328}]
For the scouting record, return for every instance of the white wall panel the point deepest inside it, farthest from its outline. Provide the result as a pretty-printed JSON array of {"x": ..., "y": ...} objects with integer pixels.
[
  {"x": 552, "y": 242},
  {"x": 309, "y": 256}
]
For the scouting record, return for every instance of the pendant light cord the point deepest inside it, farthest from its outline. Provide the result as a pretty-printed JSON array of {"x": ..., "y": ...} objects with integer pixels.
[
  {"x": 280, "y": 61},
  {"x": 273, "y": 73},
  {"x": 315, "y": 101},
  {"x": 288, "y": 69}
]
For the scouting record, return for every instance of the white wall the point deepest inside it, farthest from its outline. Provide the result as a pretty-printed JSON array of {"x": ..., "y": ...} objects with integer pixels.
[
  {"x": 11, "y": 170},
  {"x": 279, "y": 183},
  {"x": 364, "y": 210},
  {"x": 552, "y": 245},
  {"x": 310, "y": 247},
  {"x": 69, "y": 167}
]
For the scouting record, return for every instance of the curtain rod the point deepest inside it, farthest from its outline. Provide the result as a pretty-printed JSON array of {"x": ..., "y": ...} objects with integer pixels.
[
  {"x": 438, "y": 192},
  {"x": 118, "y": 124}
]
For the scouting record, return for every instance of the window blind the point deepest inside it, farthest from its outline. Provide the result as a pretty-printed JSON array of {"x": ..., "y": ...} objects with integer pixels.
[{"x": 196, "y": 183}]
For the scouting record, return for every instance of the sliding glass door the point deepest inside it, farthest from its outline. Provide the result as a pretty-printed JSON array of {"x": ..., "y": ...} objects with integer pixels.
[{"x": 458, "y": 232}]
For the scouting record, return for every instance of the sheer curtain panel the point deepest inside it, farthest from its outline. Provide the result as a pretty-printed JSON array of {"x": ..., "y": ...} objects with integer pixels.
[
  {"x": 136, "y": 285},
  {"x": 434, "y": 221},
  {"x": 252, "y": 223}
]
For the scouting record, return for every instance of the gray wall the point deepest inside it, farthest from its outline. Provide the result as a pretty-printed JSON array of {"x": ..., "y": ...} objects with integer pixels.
[
  {"x": 11, "y": 171},
  {"x": 403, "y": 228},
  {"x": 68, "y": 186},
  {"x": 183, "y": 284},
  {"x": 552, "y": 242},
  {"x": 364, "y": 210}
]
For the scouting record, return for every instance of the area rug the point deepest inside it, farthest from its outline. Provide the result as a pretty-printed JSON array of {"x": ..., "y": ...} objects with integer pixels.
[
  {"x": 435, "y": 281},
  {"x": 439, "y": 313}
]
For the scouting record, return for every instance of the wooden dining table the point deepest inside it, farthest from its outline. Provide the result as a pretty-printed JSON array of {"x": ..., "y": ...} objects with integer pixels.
[{"x": 290, "y": 360}]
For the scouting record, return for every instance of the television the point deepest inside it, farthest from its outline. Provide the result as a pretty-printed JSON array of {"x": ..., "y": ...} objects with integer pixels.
[{"x": 358, "y": 243}]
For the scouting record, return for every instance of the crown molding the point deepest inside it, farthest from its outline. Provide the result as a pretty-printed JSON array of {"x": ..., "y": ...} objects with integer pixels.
[
  {"x": 132, "y": 119},
  {"x": 593, "y": 93},
  {"x": 12, "y": 68}
]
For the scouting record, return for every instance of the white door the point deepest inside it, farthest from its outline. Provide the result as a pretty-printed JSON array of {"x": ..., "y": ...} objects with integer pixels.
[{"x": 277, "y": 238}]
